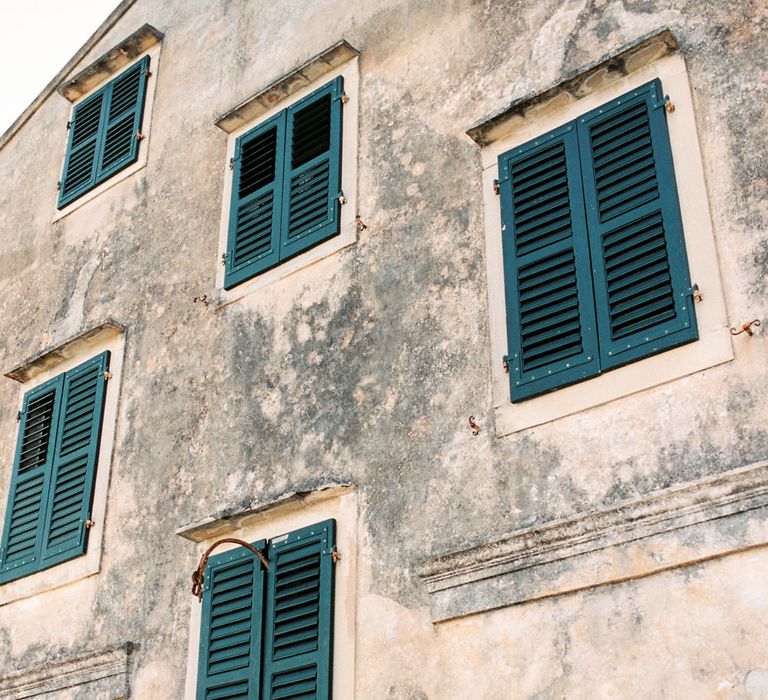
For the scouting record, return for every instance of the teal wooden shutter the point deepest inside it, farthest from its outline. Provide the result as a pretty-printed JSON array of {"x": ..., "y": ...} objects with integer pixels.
[
  {"x": 254, "y": 215},
  {"x": 102, "y": 137},
  {"x": 312, "y": 180},
  {"x": 124, "y": 109},
  {"x": 82, "y": 150},
  {"x": 23, "y": 530},
  {"x": 231, "y": 623},
  {"x": 298, "y": 622},
  {"x": 75, "y": 458},
  {"x": 551, "y": 334},
  {"x": 641, "y": 279}
]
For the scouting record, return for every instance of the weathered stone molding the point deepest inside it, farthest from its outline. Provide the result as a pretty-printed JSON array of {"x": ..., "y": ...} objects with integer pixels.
[
  {"x": 300, "y": 77},
  {"x": 72, "y": 347},
  {"x": 107, "y": 65},
  {"x": 580, "y": 82},
  {"x": 666, "y": 529},
  {"x": 106, "y": 671},
  {"x": 238, "y": 517}
]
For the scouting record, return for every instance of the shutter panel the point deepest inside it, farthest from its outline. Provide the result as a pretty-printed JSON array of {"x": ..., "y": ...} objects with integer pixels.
[
  {"x": 254, "y": 217},
  {"x": 641, "y": 279},
  {"x": 230, "y": 632},
  {"x": 74, "y": 461},
  {"x": 312, "y": 170},
  {"x": 551, "y": 333},
  {"x": 299, "y": 615},
  {"x": 82, "y": 149},
  {"x": 22, "y": 534},
  {"x": 124, "y": 109}
]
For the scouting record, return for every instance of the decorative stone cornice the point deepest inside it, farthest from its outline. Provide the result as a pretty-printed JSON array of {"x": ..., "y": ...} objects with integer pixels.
[{"x": 668, "y": 528}]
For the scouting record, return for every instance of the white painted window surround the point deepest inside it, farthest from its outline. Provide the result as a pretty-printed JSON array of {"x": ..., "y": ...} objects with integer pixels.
[
  {"x": 106, "y": 337},
  {"x": 714, "y": 344}
]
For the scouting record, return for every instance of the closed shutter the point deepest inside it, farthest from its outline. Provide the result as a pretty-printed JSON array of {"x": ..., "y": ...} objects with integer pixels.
[
  {"x": 312, "y": 180},
  {"x": 551, "y": 334},
  {"x": 123, "y": 116},
  {"x": 254, "y": 217},
  {"x": 231, "y": 622},
  {"x": 641, "y": 279},
  {"x": 82, "y": 149},
  {"x": 103, "y": 134},
  {"x": 74, "y": 461},
  {"x": 299, "y": 615},
  {"x": 23, "y": 530}
]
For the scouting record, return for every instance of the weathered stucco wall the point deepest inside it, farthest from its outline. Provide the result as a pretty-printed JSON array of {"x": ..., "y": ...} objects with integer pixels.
[{"x": 362, "y": 369}]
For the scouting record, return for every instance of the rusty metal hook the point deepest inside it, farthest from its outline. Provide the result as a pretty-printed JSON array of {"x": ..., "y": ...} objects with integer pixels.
[
  {"x": 475, "y": 427},
  {"x": 203, "y": 298},
  {"x": 746, "y": 328},
  {"x": 198, "y": 575}
]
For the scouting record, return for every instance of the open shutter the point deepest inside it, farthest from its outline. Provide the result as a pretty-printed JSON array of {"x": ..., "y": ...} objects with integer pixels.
[
  {"x": 299, "y": 615},
  {"x": 551, "y": 335},
  {"x": 23, "y": 531},
  {"x": 254, "y": 215},
  {"x": 230, "y": 632},
  {"x": 119, "y": 145},
  {"x": 82, "y": 149},
  {"x": 641, "y": 279},
  {"x": 74, "y": 461},
  {"x": 312, "y": 185}
]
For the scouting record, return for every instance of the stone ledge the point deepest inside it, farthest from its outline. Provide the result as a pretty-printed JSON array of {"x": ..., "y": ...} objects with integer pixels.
[
  {"x": 666, "y": 529},
  {"x": 72, "y": 347},
  {"x": 579, "y": 83},
  {"x": 107, "y": 670},
  {"x": 305, "y": 74},
  {"x": 107, "y": 65}
]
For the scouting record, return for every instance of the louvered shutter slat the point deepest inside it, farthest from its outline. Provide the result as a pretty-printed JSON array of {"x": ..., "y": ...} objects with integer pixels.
[
  {"x": 640, "y": 269},
  {"x": 552, "y": 338},
  {"x": 124, "y": 112},
  {"x": 312, "y": 180},
  {"x": 25, "y": 514},
  {"x": 231, "y": 619},
  {"x": 254, "y": 220},
  {"x": 75, "y": 458},
  {"x": 299, "y": 611}
]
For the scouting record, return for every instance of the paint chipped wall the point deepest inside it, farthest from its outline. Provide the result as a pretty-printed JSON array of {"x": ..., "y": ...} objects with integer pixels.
[{"x": 364, "y": 367}]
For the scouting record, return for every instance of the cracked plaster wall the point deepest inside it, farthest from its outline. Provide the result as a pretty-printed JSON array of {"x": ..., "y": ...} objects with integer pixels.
[{"x": 364, "y": 367}]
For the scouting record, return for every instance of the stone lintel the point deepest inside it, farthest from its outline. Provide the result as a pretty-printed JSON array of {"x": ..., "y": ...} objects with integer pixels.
[{"x": 304, "y": 75}]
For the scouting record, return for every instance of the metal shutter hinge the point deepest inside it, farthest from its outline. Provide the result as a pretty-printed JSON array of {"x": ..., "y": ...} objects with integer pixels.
[
  {"x": 666, "y": 104},
  {"x": 342, "y": 199},
  {"x": 19, "y": 415},
  {"x": 69, "y": 125},
  {"x": 58, "y": 186},
  {"x": 107, "y": 375},
  {"x": 231, "y": 163},
  {"x": 224, "y": 259},
  {"x": 505, "y": 363},
  {"x": 335, "y": 553},
  {"x": 147, "y": 73},
  {"x": 139, "y": 136},
  {"x": 496, "y": 187},
  {"x": 695, "y": 292},
  {"x": 344, "y": 98},
  {"x": 89, "y": 523}
]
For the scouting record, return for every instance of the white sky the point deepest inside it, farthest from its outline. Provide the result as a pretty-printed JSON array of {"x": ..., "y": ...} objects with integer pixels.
[{"x": 37, "y": 37}]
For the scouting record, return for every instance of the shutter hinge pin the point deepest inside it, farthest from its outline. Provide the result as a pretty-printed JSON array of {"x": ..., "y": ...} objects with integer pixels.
[
  {"x": 89, "y": 523},
  {"x": 147, "y": 73},
  {"x": 107, "y": 375},
  {"x": 668, "y": 105},
  {"x": 496, "y": 187},
  {"x": 505, "y": 365},
  {"x": 344, "y": 98},
  {"x": 231, "y": 163},
  {"x": 139, "y": 136},
  {"x": 69, "y": 125},
  {"x": 224, "y": 259},
  {"x": 19, "y": 415},
  {"x": 58, "y": 186},
  {"x": 342, "y": 198}
]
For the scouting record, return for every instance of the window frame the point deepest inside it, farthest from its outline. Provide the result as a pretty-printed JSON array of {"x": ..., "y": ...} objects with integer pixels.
[
  {"x": 714, "y": 345},
  {"x": 327, "y": 248},
  {"x": 112, "y": 178},
  {"x": 83, "y": 349}
]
